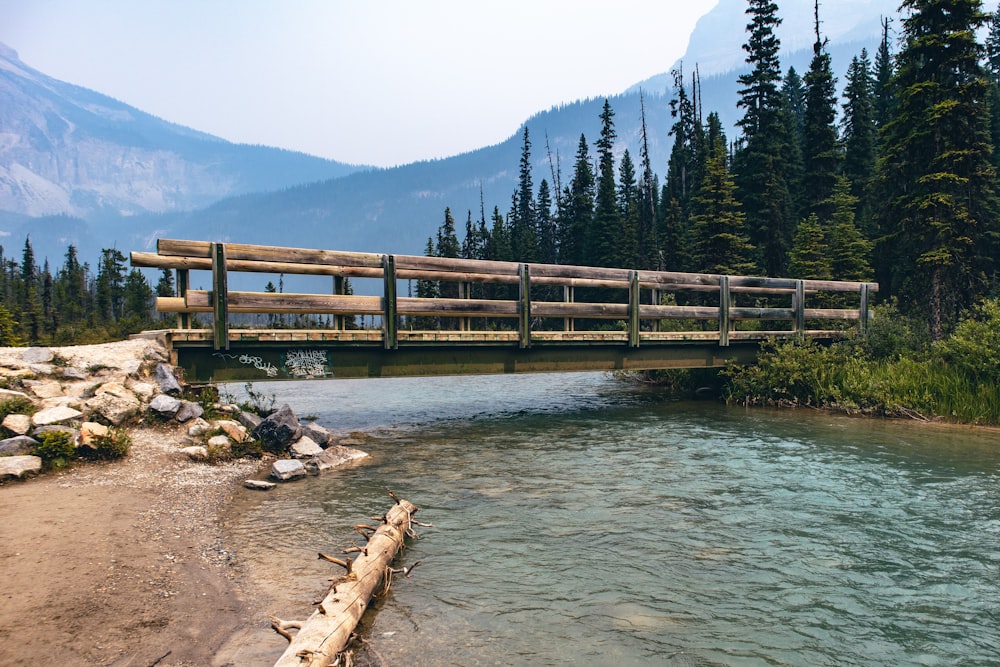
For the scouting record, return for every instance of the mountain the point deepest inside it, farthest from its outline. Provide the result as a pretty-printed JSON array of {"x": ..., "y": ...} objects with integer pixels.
[
  {"x": 396, "y": 210},
  {"x": 68, "y": 150}
]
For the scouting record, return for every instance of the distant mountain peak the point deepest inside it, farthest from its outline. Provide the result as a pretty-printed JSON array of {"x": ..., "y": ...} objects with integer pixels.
[{"x": 8, "y": 53}]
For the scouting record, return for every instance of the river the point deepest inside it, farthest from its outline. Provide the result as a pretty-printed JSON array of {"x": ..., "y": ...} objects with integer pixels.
[{"x": 581, "y": 520}]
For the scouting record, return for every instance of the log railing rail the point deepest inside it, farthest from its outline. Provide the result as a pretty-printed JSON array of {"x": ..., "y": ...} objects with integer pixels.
[{"x": 641, "y": 310}]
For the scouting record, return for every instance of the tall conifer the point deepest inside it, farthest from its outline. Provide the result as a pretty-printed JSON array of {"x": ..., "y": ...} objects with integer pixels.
[{"x": 936, "y": 170}]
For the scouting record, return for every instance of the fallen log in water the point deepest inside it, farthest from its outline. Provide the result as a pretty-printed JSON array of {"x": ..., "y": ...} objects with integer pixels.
[{"x": 324, "y": 635}]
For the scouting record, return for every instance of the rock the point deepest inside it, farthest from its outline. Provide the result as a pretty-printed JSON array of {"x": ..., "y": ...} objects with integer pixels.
[
  {"x": 71, "y": 373},
  {"x": 287, "y": 469},
  {"x": 165, "y": 405},
  {"x": 164, "y": 377},
  {"x": 318, "y": 434},
  {"x": 259, "y": 484},
  {"x": 280, "y": 429},
  {"x": 46, "y": 389},
  {"x": 55, "y": 415},
  {"x": 196, "y": 453},
  {"x": 198, "y": 427},
  {"x": 17, "y": 446},
  {"x": 248, "y": 419},
  {"x": 113, "y": 406},
  {"x": 58, "y": 401},
  {"x": 333, "y": 457},
  {"x": 235, "y": 430},
  {"x": 37, "y": 355},
  {"x": 305, "y": 448},
  {"x": 144, "y": 390},
  {"x": 42, "y": 369},
  {"x": 188, "y": 411},
  {"x": 74, "y": 434},
  {"x": 19, "y": 424},
  {"x": 91, "y": 431},
  {"x": 8, "y": 394},
  {"x": 19, "y": 466}
]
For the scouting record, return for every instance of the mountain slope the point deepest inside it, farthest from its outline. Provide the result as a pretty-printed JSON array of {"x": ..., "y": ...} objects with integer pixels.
[{"x": 69, "y": 150}]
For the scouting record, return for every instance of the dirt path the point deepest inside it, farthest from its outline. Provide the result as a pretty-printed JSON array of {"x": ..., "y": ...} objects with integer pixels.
[{"x": 121, "y": 563}]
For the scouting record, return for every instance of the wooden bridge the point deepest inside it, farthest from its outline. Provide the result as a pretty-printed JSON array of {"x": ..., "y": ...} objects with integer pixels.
[{"x": 500, "y": 317}]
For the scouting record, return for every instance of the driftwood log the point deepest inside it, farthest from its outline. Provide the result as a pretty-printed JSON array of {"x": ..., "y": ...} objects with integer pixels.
[{"x": 325, "y": 634}]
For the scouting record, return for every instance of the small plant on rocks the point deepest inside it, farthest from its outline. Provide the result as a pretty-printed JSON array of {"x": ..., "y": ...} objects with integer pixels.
[
  {"x": 55, "y": 448},
  {"x": 114, "y": 445}
]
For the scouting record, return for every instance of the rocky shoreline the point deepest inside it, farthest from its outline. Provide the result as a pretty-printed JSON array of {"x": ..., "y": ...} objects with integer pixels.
[
  {"x": 86, "y": 391},
  {"x": 123, "y": 562}
]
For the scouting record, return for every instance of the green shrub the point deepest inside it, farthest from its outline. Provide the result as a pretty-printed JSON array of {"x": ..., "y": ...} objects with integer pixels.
[
  {"x": 55, "y": 448},
  {"x": 115, "y": 445},
  {"x": 974, "y": 346},
  {"x": 16, "y": 406}
]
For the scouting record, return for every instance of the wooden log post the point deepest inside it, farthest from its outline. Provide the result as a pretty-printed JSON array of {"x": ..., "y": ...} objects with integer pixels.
[
  {"x": 220, "y": 297},
  {"x": 524, "y": 299},
  {"x": 725, "y": 301},
  {"x": 633, "y": 309},
  {"x": 325, "y": 634},
  {"x": 390, "y": 323},
  {"x": 183, "y": 280}
]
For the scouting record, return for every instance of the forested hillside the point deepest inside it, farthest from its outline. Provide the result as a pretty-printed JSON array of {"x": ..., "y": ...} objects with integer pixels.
[{"x": 892, "y": 179}]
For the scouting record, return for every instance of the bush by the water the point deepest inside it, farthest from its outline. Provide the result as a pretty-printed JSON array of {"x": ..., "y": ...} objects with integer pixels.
[{"x": 889, "y": 373}]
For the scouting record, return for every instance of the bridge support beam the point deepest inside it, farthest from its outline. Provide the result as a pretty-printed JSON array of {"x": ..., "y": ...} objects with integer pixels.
[{"x": 298, "y": 361}]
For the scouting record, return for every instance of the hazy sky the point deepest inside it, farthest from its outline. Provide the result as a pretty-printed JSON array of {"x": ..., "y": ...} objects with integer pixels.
[{"x": 377, "y": 82}]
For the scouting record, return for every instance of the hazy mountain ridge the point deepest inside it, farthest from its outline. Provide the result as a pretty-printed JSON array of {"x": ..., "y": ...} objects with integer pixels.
[{"x": 69, "y": 150}]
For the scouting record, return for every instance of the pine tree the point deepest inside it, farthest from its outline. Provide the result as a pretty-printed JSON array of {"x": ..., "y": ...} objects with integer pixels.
[
  {"x": 793, "y": 95},
  {"x": 860, "y": 135},
  {"x": 606, "y": 230},
  {"x": 627, "y": 247},
  {"x": 821, "y": 154},
  {"x": 684, "y": 164},
  {"x": 720, "y": 244},
  {"x": 993, "y": 72},
  {"x": 936, "y": 171},
  {"x": 109, "y": 299},
  {"x": 523, "y": 215},
  {"x": 546, "y": 225},
  {"x": 760, "y": 165},
  {"x": 849, "y": 249},
  {"x": 576, "y": 220},
  {"x": 427, "y": 289},
  {"x": 884, "y": 99},
  {"x": 646, "y": 235},
  {"x": 809, "y": 257}
]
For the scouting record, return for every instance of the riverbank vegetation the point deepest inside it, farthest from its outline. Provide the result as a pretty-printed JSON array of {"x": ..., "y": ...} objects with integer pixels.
[{"x": 894, "y": 371}]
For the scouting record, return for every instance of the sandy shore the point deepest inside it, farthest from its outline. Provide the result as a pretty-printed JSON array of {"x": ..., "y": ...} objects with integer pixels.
[{"x": 123, "y": 564}]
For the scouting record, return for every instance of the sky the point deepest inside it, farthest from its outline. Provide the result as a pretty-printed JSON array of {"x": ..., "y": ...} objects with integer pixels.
[{"x": 383, "y": 82}]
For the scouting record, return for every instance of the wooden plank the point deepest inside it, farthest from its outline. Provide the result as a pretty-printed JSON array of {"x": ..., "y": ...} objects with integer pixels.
[
  {"x": 608, "y": 311},
  {"x": 413, "y": 306}
]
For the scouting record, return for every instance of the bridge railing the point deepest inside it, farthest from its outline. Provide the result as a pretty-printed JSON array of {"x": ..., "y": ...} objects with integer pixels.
[{"x": 638, "y": 302}]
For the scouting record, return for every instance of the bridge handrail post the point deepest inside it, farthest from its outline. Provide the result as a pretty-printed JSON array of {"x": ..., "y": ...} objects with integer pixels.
[
  {"x": 183, "y": 281},
  {"x": 390, "y": 337},
  {"x": 633, "y": 309},
  {"x": 863, "y": 309},
  {"x": 220, "y": 297},
  {"x": 725, "y": 303},
  {"x": 569, "y": 324},
  {"x": 524, "y": 306},
  {"x": 799, "y": 306},
  {"x": 339, "y": 289}
]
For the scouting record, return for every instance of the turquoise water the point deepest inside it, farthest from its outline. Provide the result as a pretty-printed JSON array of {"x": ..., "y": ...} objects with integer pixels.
[{"x": 577, "y": 519}]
